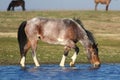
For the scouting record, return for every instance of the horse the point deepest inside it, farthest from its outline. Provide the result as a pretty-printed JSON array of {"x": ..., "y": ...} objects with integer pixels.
[
  {"x": 16, "y": 3},
  {"x": 106, "y": 2},
  {"x": 62, "y": 31}
]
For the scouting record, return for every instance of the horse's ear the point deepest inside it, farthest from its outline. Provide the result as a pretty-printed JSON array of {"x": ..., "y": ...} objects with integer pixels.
[{"x": 74, "y": 18}]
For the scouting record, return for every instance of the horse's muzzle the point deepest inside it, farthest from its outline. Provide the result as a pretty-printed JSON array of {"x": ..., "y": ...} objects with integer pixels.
[{"x": 97, "y": 65}]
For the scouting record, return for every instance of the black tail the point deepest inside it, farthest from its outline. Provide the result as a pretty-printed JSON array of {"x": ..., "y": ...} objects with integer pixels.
[{"x": 22, "y": 39}]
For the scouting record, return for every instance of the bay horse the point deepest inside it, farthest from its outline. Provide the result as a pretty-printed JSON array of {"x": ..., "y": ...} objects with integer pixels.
[
  {"x": 16, "y": 3},
  {"x": 66, "y": 32},
  {"x": 106, "y": 2}
]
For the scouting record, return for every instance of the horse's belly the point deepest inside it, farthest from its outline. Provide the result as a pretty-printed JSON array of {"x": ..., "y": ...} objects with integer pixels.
[{"x": 54, "y": 41}]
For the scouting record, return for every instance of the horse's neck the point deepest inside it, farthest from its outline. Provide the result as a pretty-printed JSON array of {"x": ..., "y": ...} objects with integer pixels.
[{"x": 86, "y": 42}]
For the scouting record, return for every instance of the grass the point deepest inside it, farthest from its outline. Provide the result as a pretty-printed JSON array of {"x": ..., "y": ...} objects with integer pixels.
[{"x": 104, "y": 25}]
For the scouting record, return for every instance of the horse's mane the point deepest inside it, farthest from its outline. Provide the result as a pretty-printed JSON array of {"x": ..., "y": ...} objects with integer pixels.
[{"x": 89, "y": 34}]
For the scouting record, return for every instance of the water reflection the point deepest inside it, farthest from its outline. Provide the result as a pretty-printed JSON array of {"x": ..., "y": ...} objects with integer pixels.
[{"x": 54, "y": 72}]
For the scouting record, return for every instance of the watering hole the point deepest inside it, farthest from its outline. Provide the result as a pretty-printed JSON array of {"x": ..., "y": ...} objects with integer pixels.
[{"x": 54, "y": 72}]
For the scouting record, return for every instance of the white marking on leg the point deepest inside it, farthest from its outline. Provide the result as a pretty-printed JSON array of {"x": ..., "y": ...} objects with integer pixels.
[
  {"x": 63, "y": 61},
  {"x": 22, "y": 62},
  {"x": 35, "y": 59},
  {"x": 74, "y": 57}
]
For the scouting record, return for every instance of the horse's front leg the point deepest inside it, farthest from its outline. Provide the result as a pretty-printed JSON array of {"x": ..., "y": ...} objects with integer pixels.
[
  {"x": 96, "y": 6},
  {"x": 66, "y": 50},
  {"x": 107, "y": 7},
  {"x": 23, "y": 7},
  {"x": 72, "y": 63}
]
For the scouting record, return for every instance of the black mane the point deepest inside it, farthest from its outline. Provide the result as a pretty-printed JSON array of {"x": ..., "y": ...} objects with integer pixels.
[{"x": 89, "y": 34}]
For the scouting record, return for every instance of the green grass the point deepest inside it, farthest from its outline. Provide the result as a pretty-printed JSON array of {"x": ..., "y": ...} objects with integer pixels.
[{"x": 104, "y": 25}]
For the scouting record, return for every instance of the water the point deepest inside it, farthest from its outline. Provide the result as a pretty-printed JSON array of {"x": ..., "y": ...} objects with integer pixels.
[{"x": 54, "y": 72}]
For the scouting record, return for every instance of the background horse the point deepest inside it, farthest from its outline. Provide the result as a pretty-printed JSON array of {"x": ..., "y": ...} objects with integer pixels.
[
  {"x": 16, "y": 3},
  {"x": 65, "y": 32},
  {"x": 106, "y": 2}
]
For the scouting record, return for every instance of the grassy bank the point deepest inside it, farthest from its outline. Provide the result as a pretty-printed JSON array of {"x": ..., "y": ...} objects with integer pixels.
[{"x": 104, "y": 25}]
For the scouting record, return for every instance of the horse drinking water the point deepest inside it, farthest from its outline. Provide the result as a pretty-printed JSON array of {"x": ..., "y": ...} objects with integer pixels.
[
  {"x": 65, "y": 32},
  {"x": 106, "y": 2}
]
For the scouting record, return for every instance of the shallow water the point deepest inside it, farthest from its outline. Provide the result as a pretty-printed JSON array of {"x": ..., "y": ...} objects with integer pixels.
[{"x": 54, "y": 72}]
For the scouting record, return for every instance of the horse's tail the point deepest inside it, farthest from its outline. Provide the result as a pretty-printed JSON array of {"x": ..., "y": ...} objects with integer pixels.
[{"x": 22, "y": 38}]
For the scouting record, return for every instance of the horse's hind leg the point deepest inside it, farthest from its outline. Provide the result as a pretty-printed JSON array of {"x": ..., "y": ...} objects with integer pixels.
[
  {"x": 23, "y": 50},
  {"x": 23, "y": 8},
  {"x": 12, "y": 8},
  {"x": 34, "y": 47},
  {"x": 72, "y": 63},
  {"x": 96, "y": 6},
  {"x": 107, "y": 7}
]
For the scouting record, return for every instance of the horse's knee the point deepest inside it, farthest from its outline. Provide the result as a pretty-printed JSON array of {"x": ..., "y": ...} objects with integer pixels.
[
  {"x": 77, "y": 50},
  {"x": 66, "y": 50}
]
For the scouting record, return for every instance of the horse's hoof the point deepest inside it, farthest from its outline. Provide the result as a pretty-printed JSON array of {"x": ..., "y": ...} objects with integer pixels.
[
  {"x": 72, "y": 64},
  {"x": 36, "y": 67},
  {"x": 23, "y": 68}
]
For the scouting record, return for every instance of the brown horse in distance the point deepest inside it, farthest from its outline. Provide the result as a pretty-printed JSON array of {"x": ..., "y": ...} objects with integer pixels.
[
  {"x": 106, "y": 2},
  {"x": 16, "y": 3}
]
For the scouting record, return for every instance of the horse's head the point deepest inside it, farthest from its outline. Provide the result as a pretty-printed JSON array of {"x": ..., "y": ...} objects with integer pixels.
[{"x": 93, "y": 55}]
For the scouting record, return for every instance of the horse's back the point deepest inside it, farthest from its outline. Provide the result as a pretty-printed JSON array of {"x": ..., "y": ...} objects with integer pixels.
[
  {"x": 53, "y": 30},
  {"x": 18, "y": 2},
  {"x": 103, "y": 1},
  {"x": 47, "y": 29}
]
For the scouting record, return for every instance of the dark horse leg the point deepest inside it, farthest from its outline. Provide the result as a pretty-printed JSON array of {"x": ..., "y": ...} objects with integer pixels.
[
  {"x": 9, "y": 7},
  {"x": 13, "y": 8},
  {"x": 23, "y": 6},
  {"x": 72, "y": 63},
  {"x": 107, "y": 7}
]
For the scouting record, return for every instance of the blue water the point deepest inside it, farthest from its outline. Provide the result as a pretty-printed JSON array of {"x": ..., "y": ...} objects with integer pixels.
[{"x": 54, "y": 72}]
